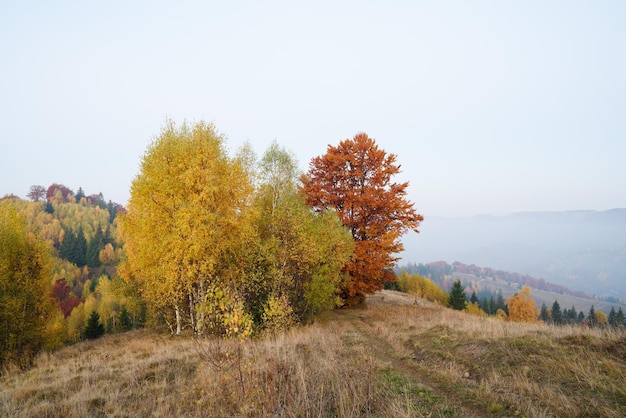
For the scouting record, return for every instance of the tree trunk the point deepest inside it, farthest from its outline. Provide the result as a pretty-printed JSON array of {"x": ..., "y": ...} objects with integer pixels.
[{"x": 178, "y": 320}]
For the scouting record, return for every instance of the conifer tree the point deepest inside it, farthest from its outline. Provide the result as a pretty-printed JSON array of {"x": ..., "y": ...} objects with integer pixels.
[
  {"x": 557, "y": 316},
  {"x": 612, "y": 316},
  {"x": 125, "y": 320},
  {"x": 572, "y": 315},
  {"x": 474, "y": 298},
  {"x": 94, "y": 328},
  {"x": 93, "y": 249},
  {"x": 581, "y": 317},
  {"x": 457, "y": 299},
  {"x": 591, "y": 317},
  {"x": 619, "y": 318}
]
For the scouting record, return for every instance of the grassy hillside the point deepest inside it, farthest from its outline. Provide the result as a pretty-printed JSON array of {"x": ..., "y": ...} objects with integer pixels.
[{"x": 394, "y": 357}]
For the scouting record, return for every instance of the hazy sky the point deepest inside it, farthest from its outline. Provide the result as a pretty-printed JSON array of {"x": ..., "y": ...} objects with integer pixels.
[{"x": 491, "y": 106}]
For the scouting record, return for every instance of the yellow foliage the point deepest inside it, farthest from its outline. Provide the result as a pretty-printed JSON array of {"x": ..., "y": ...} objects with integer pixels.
[
  {"x": 474, "y": 309},
  {"x": 522, "y": 307},
  {"x": 185, "y": 216},
  {"x": 422, "y": 287},
  {"x": 278, "y": 315}
]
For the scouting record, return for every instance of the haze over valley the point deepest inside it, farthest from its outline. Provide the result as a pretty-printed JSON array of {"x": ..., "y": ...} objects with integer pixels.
[{"x": 582, "y": 250}]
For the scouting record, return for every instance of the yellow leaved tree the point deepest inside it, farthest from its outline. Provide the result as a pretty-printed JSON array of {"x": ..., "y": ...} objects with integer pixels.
[
  {"x": 185, "y": 222},
  {"x": 522, "y": 307}
]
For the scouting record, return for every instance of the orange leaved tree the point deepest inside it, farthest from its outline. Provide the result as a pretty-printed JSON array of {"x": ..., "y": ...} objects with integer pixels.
[
  {"x": 355, "y": 179},
  {"x": 522, "y": 307}
]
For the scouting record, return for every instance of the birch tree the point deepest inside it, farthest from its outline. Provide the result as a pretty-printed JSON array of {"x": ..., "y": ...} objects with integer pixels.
[{"x": 185, "y": 220}]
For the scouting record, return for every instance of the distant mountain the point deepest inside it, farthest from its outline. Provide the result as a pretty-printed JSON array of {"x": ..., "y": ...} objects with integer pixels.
[{"x": 583, "y": 250}]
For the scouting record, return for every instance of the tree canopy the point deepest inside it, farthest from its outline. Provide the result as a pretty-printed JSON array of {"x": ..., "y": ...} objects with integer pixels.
[
  {"x": 184, "y": 217},
  {"x": 355, "y": 179},
  {"x": 25, "y": 302}
]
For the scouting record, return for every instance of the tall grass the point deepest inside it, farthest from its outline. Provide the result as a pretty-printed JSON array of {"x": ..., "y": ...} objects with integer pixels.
[{"x": 396, "y": 357}]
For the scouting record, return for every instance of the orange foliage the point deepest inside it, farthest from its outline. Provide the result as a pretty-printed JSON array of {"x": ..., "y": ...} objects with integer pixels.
[
  {"x": 355, "y": 179},
  {"x": 522, "y": 307}
]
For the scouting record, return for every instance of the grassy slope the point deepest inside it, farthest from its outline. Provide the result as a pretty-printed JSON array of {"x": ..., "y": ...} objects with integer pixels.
[{"x": 394, "y": 357}]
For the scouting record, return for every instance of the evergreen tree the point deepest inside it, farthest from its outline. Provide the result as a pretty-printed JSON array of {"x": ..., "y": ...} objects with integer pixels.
[
  {"x": 94, "y": 328},
  {"x": 80, "y": 194},
  {"x": 457, "y": 298},
  {"x": 80, "y": 255},
  {"x": 49, "y": 208},
  {"x": 557, "y": 315},
  {"x": 612, "y": 317},
  {"x": 125, "y": 321},
  {"x": 474, "y": 298},
  {"x": 67, "y": 248},
  {"x": 591, "y": 317},
  {"x": 619, "y": 318},
  {"x": 93, "y": 249},
  {"x": 581, "y": 317},
  {"x": 572, "y": 315},
  {"x": 543, "y": 315},
  {"x": 112, "y": 208}
]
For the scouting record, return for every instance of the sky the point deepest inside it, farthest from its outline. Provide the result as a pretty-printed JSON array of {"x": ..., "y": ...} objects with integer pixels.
[{"x": 492, "y": 107}]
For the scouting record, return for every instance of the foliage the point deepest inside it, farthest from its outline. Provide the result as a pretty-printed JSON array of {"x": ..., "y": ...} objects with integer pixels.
[
  {"x": 422, "y": 287},
  {"x": 94, "y": 329},
  {"x": 222, "y": 314},
  {"x": 522, "y": 307},
  {"x": 355, "y": 180},
  {"x": 457, "y": 299},
  {"x": 473, "y": 309},
  {"x": 556, "y": 313},
  {"x": 278, "y": 315},
  {"x": 62, "y": 293},
  {"x": 186, "y": 218},
  {"x": 25, "y": 303}
]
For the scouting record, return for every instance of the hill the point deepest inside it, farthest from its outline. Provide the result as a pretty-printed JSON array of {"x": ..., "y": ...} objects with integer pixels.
[
  {"x": 489, "y": 281},
  {"x": 582, "y": 250},
  {"x": 395, "y": 356}
]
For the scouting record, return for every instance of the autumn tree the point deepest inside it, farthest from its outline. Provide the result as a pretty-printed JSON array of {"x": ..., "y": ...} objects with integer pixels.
[
  {"x": 58, "y": 192},
  {"x": 355, "y": 179},
  {"x": 186, "y": 218},
  {"x": 62, "y": 293},
  {"x": 302, "y": 253},
  {"x": 522, "y": 307},
  {"x": 25, "y": 302},
  {"x": 36, "y": 193}
]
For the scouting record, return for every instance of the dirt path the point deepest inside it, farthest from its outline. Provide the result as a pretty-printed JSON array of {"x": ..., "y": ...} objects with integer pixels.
[{"x": 453, "y": 401}]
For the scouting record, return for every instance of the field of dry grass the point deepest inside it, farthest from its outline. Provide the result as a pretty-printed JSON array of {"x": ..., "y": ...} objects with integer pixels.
[{"x": 391, "y": 358}]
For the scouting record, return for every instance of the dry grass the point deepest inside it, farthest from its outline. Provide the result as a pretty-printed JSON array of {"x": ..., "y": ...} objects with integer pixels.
[{"x": 393, "y": 358}]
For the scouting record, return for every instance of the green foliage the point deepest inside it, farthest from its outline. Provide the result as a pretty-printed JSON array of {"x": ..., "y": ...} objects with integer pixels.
[
  {"x": 557, "y": 314},
  {"x": 303, "y": 252},
  {"x": 94, "y": 329},
  {"x": 125, "y": 320},
  {"x": 457, "y": 298}
]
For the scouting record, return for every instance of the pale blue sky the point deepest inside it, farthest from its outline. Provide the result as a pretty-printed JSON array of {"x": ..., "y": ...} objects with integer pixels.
[{"x": 491, "y": 106}]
